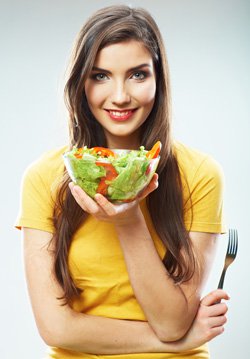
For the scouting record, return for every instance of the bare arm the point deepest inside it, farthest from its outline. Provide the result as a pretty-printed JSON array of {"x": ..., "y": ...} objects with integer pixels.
[
  {"x": 170, "y": 309},
  {"x": 62, "y": 327}
]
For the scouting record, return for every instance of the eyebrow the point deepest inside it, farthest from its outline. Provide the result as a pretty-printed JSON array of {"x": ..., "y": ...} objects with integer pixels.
[{"x": 95, "y": 68}]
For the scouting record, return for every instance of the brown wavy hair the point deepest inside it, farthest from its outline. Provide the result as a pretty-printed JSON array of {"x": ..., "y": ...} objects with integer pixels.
[{"x": 108, "y": 26}]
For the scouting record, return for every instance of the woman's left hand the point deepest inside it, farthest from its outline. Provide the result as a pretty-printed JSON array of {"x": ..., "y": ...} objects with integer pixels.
[
  {"x": 104, "y": 210},
  {"x": 209, "y": 321}
]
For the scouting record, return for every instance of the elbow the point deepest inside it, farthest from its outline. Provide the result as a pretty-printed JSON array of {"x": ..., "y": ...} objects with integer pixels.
[
  {"x": 55, "y": 332},
  {"x": 51, "y": 335},
  {"x": 171, "y": 336},
  {"x": 52, "y": 339},
  {"x": 173, "y": 329},
  {"x": 49, "y": 341},
  {"x": 170, "y": 333},
  {"x": 55, "y": 340}
]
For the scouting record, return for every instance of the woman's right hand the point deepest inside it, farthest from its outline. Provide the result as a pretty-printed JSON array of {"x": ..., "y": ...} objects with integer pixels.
[
  {"x": 209, "y": 321},
  {"x": 120, "y": 214}
]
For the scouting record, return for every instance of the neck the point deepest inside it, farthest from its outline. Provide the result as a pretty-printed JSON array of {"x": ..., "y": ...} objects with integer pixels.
[{"x": 127, "y": 142}]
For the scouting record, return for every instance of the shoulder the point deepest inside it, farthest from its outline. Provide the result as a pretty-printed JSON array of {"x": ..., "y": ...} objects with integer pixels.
[
  {"x": 38, "y": 191},
  {"x": 46, "y": 169},
  {"x": 196, "y": 165},
  {"x": 203, "y": 187},
  {"x": 49, "y": 160}
]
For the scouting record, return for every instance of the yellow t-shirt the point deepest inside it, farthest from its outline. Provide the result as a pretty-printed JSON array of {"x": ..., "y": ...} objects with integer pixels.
[{"x": 96, "y": 261}]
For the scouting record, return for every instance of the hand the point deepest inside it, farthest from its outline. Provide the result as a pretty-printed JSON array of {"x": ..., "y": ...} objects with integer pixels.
[
  {"x": 208, "y": 322},
  {"x": 103, "y": 210}
]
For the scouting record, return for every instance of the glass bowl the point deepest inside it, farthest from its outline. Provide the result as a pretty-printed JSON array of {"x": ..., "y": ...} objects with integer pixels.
[{"x": 119, "y": 179}]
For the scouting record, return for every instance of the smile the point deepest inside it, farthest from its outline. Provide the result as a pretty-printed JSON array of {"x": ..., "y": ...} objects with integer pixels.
[{"x": 121, "y": 115}]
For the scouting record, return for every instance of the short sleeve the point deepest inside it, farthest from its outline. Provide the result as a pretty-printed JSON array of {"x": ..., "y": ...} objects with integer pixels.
[
  {"x": 204, "y": 213},
  {"x": 36, "y": 204}
]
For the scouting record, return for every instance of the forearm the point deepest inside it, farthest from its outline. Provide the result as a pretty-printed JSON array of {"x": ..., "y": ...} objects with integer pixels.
[
  {"x": 153, "y": 288},
  {"x": 100, "y": 335},
  {"x": 62, "y": 327}
]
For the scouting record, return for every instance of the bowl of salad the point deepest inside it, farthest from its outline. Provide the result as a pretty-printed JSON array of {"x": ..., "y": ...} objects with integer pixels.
[{"x": 119, "y": 175}]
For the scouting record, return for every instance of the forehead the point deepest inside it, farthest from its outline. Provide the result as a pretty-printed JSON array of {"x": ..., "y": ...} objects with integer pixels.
[{"x": 128, "y": 54}]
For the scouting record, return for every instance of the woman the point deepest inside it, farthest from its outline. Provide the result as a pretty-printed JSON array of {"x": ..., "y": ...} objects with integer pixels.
[{"x": 123, "y": 281}]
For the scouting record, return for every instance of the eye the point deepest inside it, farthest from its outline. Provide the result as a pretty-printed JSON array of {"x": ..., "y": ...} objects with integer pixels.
[
  {"x": 99, "y": 77},
  {"x": 139, "y": 75}
]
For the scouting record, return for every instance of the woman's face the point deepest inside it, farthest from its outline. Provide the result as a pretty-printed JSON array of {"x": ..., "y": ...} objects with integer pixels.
[{"x": 121, "y": 91}]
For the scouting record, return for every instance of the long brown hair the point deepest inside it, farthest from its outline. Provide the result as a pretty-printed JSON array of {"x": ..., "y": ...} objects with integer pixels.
[{"x": 107, "y": 26}]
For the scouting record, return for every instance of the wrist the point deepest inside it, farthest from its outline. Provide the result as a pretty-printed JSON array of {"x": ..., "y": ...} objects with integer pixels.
[{"x": 132, "y": 218}]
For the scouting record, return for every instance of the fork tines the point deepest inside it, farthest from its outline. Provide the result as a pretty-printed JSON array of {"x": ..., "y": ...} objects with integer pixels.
[
  {"x": 230, "y": 255},
  {"x": 232, "y": 242}
]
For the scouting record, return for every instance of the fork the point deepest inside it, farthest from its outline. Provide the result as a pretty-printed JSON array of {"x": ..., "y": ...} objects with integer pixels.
[{"x": 230, "y": 255}]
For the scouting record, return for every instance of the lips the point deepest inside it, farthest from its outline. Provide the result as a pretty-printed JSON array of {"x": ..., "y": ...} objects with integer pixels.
[{"x": 121, "y": 115}]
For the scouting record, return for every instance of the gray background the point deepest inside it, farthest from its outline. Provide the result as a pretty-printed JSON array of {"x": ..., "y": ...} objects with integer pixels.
[{"x": 207, "y": 44}]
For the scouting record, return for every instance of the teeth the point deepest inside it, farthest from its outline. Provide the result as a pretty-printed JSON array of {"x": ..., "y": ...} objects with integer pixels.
[{"x": 119, "y": 114}]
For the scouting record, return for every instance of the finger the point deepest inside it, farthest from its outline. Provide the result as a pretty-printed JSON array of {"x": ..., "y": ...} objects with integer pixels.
[
  {"x": 84, "y": 201},
  {"x": 106, "y": 206},
  {"x": 214, "y": 297},
  {"x": 214, "y": 332},
  {"x": 217, "y": 309},
  {"x": 71, "y": 186},
  {"x": 217, "y": 321}
]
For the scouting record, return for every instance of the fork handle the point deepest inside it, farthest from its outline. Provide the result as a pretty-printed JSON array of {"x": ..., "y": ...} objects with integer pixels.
[{"x": 221, "y": 282}]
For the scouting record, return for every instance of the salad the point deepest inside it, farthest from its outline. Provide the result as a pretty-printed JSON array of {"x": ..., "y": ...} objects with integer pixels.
[{"x": 119, "y": 175}]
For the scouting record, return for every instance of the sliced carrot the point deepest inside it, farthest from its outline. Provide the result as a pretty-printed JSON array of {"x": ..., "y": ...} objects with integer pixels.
[
  {"x": 79, "y": 153},
  {"x": 155, "y": 150}
]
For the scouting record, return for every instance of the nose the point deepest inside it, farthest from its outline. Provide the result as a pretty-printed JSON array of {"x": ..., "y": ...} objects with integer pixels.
[{"x": 120, "y": 94}]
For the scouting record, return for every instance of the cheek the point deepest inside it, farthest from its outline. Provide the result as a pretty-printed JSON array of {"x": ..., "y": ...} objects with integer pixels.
[
  {"x": 145, "y": 94},
  {"x": 95, "y": 95}
]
